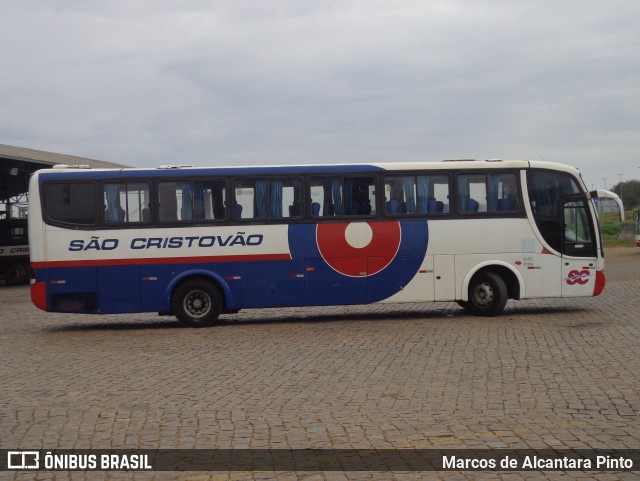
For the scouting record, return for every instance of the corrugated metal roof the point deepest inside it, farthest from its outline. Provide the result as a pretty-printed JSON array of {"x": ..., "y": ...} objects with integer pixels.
[{"x": 51, "y": 158}]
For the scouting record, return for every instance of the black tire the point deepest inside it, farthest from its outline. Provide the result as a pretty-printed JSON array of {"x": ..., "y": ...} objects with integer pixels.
[
  {"x": 487, "y": 294},
  {"x": 463, "y": 304},
  {"x": 16, "y": 274},
  {"x": 196, "y": 303}
]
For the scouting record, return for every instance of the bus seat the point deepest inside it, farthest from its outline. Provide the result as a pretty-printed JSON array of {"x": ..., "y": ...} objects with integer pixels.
[
  {"x": 145, "y": 215},
  {"x": 219, "y": 212},
  {"x": 238, "y": 211},
  {"x": 329, "y": 209},
  {"x": 118, "y": 215},
  {"x": 439, "y": 206},
  {"x": 472, "y": 205},
  {"x": 431, "y": 204},
  {"x": 315, "y": 209},
  {"x": 503, "y": 204},
  {"x": 393, "y": 206},
  {"x": 365, "y": 208},
  {"x": 294, "y": 210}
]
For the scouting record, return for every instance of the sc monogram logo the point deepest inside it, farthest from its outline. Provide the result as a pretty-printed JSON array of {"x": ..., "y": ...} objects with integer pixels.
[{"x": 578, "y": 277}]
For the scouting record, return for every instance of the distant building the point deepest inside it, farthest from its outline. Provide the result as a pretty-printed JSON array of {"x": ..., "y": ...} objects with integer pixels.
[{"x": 18, "y": 163}]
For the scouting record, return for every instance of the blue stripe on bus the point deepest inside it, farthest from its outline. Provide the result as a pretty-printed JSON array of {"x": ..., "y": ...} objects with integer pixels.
[{"x": 306, "y": 279}]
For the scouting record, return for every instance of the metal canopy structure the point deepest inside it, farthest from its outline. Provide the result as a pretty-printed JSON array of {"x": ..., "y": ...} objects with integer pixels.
[{"x": 16, "y": 166}]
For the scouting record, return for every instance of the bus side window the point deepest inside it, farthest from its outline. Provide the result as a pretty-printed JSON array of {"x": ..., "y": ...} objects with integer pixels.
[
  {"x": 126, "y": 202},
  {"x": 265, "y": 198},
  {"x": 325, "y": 193},
  {"x": 410, "y": 194},
  {"x": 187, "y": 200},
  {"x": 284, "y": 198},
  {"x": 359, "y": 195},
  {"x": 472, "y": 193},
  {"x": 72, "y": 203},
  {"x": 338, "y": 196},
  {"x": 502, "y": 194}
]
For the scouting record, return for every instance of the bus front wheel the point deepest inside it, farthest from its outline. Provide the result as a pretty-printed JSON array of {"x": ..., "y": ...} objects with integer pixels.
[
  {"x": 197, "y": 303},
  {"x": 487, "y": 294}
]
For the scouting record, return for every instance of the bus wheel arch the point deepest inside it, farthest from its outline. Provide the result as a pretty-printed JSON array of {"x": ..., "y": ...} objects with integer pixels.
[
  {"x": 197, "y": 302},
  {"x": 485, "y": 290}
]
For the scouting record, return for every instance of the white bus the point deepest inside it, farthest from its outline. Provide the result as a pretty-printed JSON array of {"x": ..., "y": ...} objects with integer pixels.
[
  {"x": 198, "y": 242},
  {"x": 608, "y": 202}
]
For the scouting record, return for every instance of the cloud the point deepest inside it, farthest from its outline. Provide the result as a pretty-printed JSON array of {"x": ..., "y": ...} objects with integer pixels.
[{"x": 231, "y": 82}]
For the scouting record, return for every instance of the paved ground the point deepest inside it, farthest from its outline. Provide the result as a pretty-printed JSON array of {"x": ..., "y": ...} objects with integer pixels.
[{"x": 548, "y": 374}]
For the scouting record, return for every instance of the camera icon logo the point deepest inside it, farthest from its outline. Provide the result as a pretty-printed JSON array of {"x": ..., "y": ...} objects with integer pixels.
[{"x": 23, "y": 459}]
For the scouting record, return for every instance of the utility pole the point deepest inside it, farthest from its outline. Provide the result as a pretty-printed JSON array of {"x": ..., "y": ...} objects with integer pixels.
[
  {"x": 605, "y": 183},
  {"x": 620, "y": 184}
]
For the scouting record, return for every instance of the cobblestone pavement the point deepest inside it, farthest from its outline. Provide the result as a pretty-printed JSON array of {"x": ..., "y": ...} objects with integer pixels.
[{"x": 552, "y": 373}]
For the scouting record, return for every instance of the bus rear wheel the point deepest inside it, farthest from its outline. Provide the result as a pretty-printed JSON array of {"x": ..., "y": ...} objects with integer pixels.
[
  {"x": 197, "y": 303},
  {"x": 487, "y": 295}
]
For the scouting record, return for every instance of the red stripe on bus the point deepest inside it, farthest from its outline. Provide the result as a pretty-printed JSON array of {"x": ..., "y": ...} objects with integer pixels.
[{"x": 171, "y": 260}]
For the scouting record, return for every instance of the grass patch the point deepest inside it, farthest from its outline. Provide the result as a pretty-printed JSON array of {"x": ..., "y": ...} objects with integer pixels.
[
  {"x": 610, "y": 226},
  {"x": 613, "y": 241}
]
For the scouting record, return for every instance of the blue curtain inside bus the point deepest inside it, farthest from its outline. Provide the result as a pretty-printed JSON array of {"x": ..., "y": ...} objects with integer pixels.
[
  {"x": 261, "y": 198},
  {"x": 186, "y": 212},
  {"x": 276, "y": 198},
  {"x": 198, "y": 201},
  {"x": 409, "y": 194},
  {"x": 351, "y": 206},
  {"x": 463, "y": 194},
  {"x": 423, "y": 194},
  {"x": 336, "y": 192},
  {"x": 114, "y": 212},
  {"x": 493, "y": 187}
]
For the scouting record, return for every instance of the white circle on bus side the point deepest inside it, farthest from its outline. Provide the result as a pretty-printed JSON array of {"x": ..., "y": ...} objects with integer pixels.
[{"x": 358, "y": 235}]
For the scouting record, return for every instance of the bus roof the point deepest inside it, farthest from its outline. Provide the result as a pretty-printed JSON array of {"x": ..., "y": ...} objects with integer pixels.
[{"x": 320, "y": 169}]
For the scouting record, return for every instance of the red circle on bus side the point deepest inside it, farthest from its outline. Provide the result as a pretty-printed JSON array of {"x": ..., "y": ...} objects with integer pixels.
[{"x": 352, "y": 261}]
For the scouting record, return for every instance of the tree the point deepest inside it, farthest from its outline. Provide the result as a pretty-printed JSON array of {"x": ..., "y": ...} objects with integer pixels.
[{"x": 629, "y": 192}]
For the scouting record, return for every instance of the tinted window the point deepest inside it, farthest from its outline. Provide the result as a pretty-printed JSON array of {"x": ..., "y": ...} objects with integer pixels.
[
  {"x": 578, "y": 240},
  {"x": 422, "y": 194},
  {"x": 489, "y": 193},
  {"x": 126, "y": 202},
  {"x": 187, "y": 200},
  {"x": 267, "y": 199},
  {"x": 342, "y": 196},
  {"x": 72, "y": 203},
  {"x": 546, "y": 188}
]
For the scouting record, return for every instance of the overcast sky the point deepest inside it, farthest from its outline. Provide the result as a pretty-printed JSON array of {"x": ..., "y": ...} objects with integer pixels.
[{"x": 207, "y": 82}]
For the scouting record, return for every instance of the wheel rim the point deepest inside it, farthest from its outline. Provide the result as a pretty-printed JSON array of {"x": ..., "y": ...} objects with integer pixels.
[
  {"x": 483, "y": 295},
  {"x": 197, "y": 304}
]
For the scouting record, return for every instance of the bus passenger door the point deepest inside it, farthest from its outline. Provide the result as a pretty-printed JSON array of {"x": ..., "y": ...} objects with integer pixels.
[{"x": 578, "y": 249}]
